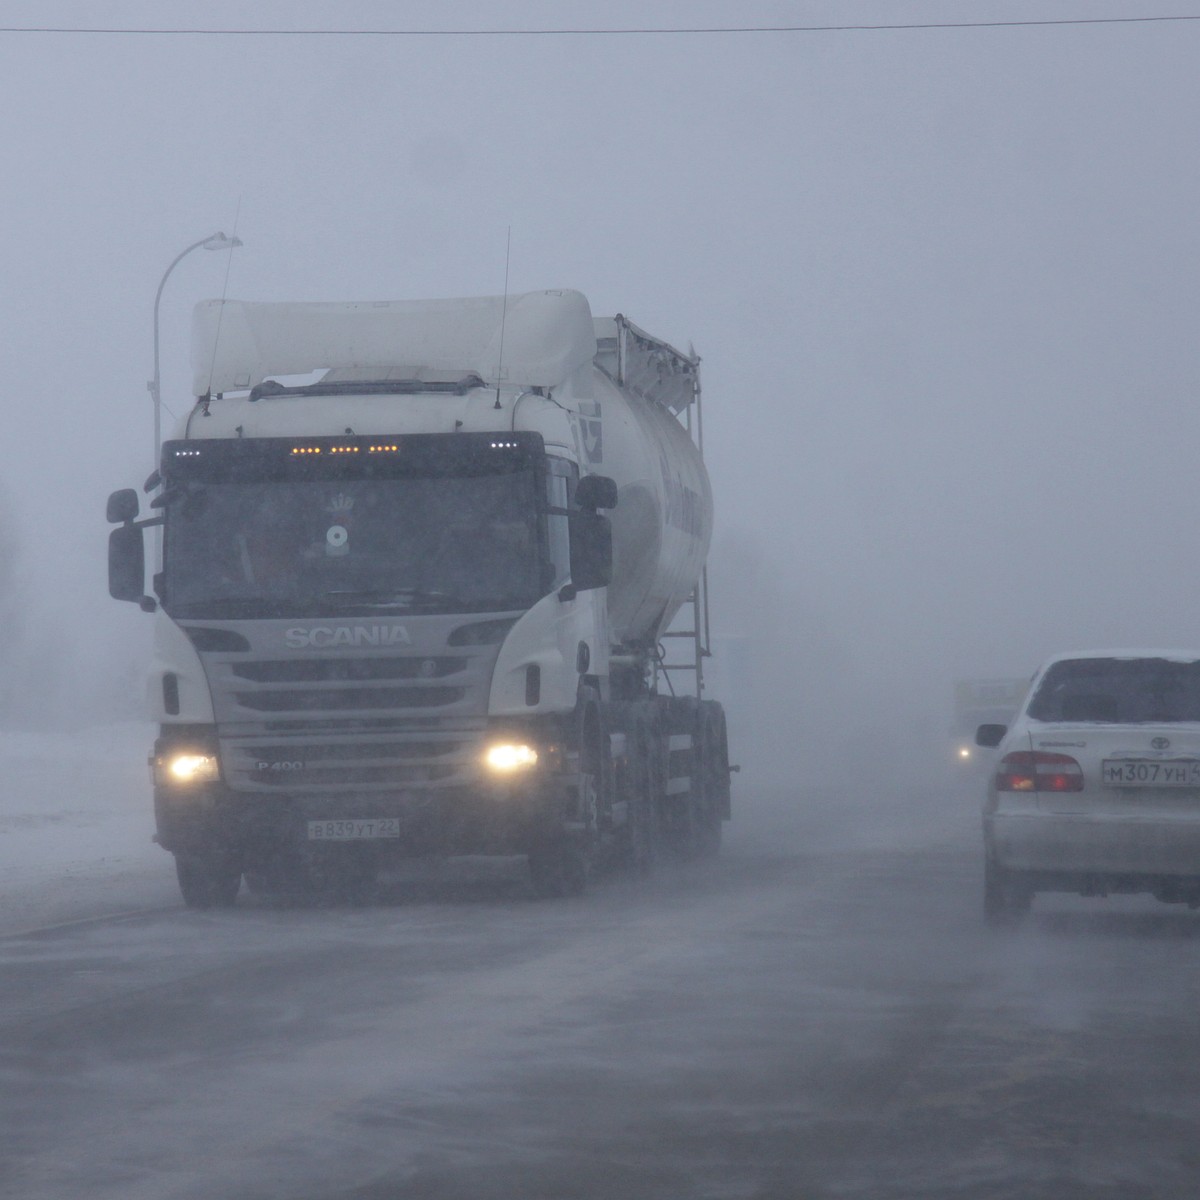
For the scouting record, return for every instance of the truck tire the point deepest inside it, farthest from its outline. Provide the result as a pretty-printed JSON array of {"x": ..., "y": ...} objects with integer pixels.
[
  {"x": 1006, "y": 896},
  {"x": 559, "y": 860},
  {"x": 207, "y": 881},
  {"x": 558, "y": 869},
  {"x": 677, "y": 810},
  {"x": 640, "y": 844},
  {"x": 710, "y": 795}
]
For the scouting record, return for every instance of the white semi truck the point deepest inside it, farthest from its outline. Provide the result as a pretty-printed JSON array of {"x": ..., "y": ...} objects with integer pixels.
[{"x": 392, "y": 615}]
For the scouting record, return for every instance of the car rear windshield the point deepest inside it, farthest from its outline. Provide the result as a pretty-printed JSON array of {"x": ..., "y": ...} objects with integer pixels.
[{"x": 1118, "y": 691}]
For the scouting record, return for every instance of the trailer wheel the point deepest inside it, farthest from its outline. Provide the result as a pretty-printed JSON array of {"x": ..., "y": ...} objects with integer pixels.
[
  {"x": 207, "y": 881},
  {"x": 711, "y": 794}
]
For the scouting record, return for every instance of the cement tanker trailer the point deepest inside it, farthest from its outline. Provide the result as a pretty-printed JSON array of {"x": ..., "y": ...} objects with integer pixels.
[{"x": 419, "y": 561}]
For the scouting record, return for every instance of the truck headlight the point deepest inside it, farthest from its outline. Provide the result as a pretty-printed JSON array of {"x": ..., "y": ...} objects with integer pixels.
[
  {"x": 185, "y": 767},
  {"x": 506, "y": 757}
]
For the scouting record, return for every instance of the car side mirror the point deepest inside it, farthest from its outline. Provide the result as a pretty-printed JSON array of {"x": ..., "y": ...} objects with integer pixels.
[{"x": 990, "y": 735}]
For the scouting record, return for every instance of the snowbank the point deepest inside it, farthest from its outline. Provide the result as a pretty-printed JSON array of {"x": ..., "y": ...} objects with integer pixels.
[{"x": 76, "y": 821}]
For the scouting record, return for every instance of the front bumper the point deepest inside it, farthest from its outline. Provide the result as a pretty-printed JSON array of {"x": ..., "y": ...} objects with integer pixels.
[
  {"x": 468, "y": 811},
  {"x": 483, "y": 821}
]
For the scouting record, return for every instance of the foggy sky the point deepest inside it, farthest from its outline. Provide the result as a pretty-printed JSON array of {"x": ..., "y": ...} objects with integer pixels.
[{"x": 943, "y": 283}]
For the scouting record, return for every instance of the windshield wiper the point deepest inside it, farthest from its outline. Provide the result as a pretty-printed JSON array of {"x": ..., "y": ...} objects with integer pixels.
[{"x": 390, "y": 598}]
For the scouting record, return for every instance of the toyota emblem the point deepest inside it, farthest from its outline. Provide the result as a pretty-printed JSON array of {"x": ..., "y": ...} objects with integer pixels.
[{"x": 1160, "y": 743}]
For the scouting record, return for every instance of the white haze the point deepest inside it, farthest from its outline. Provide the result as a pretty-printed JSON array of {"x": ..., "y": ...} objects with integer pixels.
[{"x": 943, "y": 282}]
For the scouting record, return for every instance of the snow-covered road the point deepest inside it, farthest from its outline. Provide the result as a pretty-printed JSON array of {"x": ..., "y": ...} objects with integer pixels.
[{"x": 818, "y": 1014}]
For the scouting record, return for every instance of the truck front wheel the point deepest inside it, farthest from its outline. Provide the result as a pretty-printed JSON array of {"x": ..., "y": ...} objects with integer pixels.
[
  {"x": 207, "y": 881},
  {"x": 558, "y": 868},
  {"x": 559, "y": 860}
]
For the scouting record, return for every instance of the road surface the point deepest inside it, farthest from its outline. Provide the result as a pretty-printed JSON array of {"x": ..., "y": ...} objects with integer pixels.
[{"x": 819, "y": 1014}]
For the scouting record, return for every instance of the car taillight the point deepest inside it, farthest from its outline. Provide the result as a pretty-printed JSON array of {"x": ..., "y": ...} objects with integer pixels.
[{"x": 1037, "y": 771}]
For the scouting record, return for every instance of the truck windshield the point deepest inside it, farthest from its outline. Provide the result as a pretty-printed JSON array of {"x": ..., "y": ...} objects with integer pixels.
[{"x": 293, "y": 547}]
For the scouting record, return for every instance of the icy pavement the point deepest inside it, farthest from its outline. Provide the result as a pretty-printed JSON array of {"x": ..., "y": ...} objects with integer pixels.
[{"x": 818, "y": 1012}]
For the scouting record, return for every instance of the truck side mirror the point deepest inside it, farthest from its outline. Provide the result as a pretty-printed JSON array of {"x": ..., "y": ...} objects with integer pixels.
[
  {"x": 122, "y": 506},
  {"x": 990, "y": 735},
  {"x": 591, "y": 551},
  {"x": 126, "y": 562},
  {"x": 596, "y": 491}
]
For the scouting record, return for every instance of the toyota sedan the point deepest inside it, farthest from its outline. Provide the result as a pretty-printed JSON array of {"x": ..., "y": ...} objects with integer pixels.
[{"x": 1097, "y": 783}]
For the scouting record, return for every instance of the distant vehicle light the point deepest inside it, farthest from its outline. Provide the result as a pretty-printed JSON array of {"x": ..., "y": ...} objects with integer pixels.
[
  {"x": 1038, "y": 771},
  {"x": 964, "y": 752},
  {"x": 506, "y": 757}
]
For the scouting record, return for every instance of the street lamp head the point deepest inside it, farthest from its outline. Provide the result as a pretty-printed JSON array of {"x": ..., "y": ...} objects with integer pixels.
[{"x": 219, "y": 241}]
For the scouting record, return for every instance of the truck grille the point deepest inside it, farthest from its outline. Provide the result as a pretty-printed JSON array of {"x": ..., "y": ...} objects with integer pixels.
[
  {"x": 340, "y": 686},
  {"x": 338, "y": 698},
  {"x": 340, "y": 670},
  {"x": 321, "y": 762},
  {"x": 353, "y": 719}
]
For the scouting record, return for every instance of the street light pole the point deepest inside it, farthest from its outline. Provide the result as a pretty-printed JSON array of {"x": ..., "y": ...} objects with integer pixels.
[{"x": 218, "y": 241}]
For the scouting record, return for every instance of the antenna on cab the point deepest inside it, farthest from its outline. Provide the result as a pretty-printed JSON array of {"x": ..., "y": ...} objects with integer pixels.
[{"x": 503, "y": 312}]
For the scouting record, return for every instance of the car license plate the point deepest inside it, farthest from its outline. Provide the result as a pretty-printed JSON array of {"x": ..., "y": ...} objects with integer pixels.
[
  {"x": 357, "y": 830},
  {"x": 1136, "y": 772}
]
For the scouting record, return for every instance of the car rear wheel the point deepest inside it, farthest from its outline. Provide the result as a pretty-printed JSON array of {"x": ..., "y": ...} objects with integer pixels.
[{"x": 1007, "y": 897}]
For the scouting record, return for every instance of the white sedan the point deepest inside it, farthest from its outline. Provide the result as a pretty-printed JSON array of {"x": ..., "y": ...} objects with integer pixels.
[{"x": 1097, "y": 782}]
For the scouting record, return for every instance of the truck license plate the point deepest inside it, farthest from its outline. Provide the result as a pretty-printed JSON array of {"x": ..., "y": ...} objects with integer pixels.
[
  {"x": 1132, "y": 772},
  {"x": 358, "y": 830}
]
